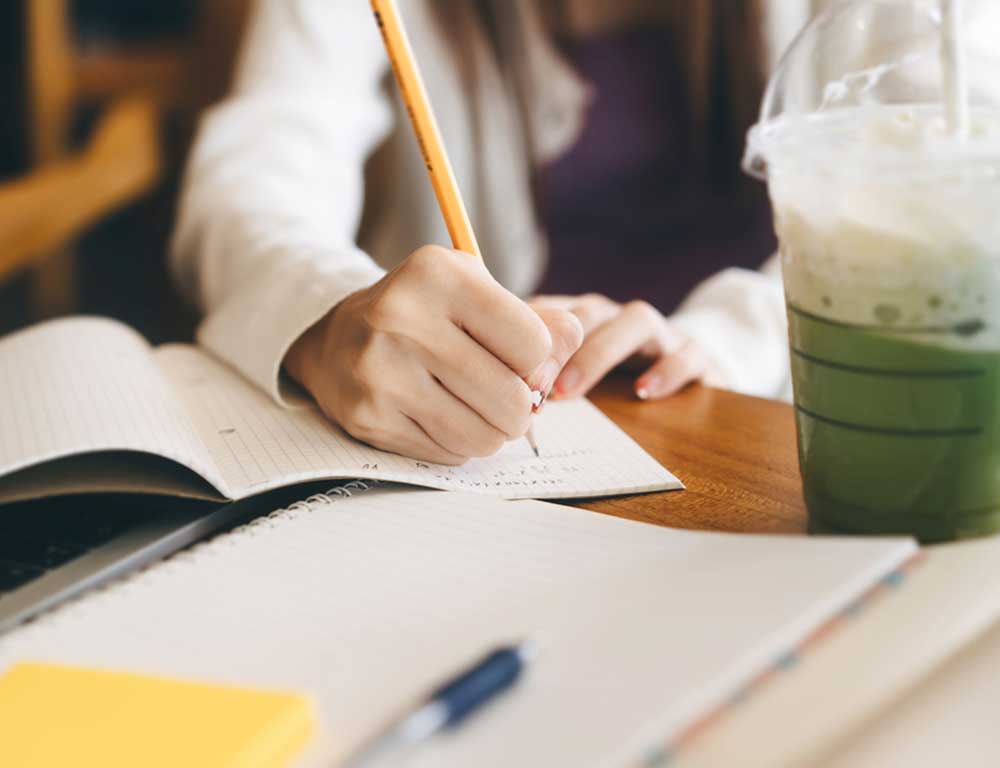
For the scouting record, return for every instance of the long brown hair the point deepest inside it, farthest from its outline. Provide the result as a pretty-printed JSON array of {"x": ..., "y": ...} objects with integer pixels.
[{"x": 719, "y": 42}]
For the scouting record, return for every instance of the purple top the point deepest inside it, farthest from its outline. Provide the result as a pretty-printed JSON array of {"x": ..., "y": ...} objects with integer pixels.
[{"x": 627, "y": 209}]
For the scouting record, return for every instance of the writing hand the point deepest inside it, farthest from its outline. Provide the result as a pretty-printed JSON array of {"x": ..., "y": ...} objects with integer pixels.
[{"x": 436, "y": 361}]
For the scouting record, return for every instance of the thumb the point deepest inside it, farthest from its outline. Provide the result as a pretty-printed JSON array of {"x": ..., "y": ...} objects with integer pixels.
[{"x": 567, "y": 336}]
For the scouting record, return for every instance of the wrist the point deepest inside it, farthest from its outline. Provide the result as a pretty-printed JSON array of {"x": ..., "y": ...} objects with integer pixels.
[{"x": 302, "y": 356}]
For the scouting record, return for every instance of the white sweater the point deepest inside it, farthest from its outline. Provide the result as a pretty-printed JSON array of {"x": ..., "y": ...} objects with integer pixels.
[{"x": 268, "y": 238}]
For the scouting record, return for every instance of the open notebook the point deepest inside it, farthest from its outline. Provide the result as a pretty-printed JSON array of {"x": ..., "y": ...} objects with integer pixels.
[
  {"x": 369, "y": 601},
  {"x": 87, "y": 405}
]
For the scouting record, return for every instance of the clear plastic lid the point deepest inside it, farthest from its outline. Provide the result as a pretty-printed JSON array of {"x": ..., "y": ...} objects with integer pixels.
[{"x": 865, "y": 54}]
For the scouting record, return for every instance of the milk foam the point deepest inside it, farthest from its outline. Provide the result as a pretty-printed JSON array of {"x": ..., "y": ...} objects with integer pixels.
[{"x": 886, "y": 219}]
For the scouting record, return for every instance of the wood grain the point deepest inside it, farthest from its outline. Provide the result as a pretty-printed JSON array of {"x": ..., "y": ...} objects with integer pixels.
[{"x": 736, "y": 455}]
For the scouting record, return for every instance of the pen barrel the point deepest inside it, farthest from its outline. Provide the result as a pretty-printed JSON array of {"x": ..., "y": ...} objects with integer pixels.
[{"x": 474, "y": 688}]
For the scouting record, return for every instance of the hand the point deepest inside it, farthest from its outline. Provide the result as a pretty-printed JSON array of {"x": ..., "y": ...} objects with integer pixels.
[
  {"x": 436, "y": 361},
  {"x": 635, "y": 334}
]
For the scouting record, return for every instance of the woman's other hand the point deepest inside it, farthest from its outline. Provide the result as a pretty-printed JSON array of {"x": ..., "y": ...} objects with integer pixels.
[
  {"x": 633, "y": 334},
  {"x": 436, "y": 361}
]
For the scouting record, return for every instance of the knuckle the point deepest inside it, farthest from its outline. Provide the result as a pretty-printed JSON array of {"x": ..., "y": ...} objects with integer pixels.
[
  {"x": 426, "y": 258},
  {"x": 386, "y": 311},
  {"x": 442, "y": 266},
  {"x": 644, "y": 311},
  {"x": 596, "y": 300},
  {"x": 361, "y": 419},
  {"x": 570, "y": 333}
]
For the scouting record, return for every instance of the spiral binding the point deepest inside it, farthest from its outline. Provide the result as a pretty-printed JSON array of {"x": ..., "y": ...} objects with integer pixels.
[
  {"x": 195, "y": 553},
  {"x": 292, "y": 511}
]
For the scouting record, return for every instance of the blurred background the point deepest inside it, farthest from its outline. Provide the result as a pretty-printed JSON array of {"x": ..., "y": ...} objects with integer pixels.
[{"x": 101, "y": 98}]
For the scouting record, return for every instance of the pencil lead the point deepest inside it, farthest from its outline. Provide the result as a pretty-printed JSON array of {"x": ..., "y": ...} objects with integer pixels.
[{"x": 530, "y": 437}]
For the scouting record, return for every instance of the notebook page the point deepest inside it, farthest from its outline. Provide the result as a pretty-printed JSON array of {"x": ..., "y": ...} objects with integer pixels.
[
  {"x": 369, "y": 602},
  {"x": 258, "y": 445},
  {"x": 84, "y": 385}
]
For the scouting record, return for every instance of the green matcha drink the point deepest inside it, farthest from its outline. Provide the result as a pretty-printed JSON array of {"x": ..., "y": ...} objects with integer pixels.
[
  {"x": 895, "y": 435},
  {"x": 897, "y": 395},
  {"x": 888, "y": 216},
  {"x": 892, "y": 282}
]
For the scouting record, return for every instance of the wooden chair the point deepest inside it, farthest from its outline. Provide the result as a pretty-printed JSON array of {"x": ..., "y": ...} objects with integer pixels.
[{"x": 69, "y": 190}]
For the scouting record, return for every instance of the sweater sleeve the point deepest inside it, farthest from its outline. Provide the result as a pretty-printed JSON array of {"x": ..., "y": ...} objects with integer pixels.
[
  {"x": 273, "y": 194},
  {"x": 738, "y": 317}
]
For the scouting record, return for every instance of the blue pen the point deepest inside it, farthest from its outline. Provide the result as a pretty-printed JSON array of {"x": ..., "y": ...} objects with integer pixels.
[{"x": 448, "y": 706}]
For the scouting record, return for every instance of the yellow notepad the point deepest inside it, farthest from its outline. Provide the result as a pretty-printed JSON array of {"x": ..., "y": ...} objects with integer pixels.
[{"x": 58, "y": 716}]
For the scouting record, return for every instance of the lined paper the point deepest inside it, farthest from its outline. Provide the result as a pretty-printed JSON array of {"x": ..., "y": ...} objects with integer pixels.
[
  {"x": 90, "y": 385},
  {"x": 85, "y": 385},
  {"x": 258, "y": 445},
  {"x": 369, "y": 602}
]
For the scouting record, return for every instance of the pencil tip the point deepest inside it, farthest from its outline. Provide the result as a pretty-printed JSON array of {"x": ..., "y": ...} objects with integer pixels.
[{"x": 532, "y": 442}]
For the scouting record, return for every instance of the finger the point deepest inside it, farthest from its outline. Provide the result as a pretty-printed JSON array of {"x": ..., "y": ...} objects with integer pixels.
[
  {"x": 607, "y": 347},
  {"x": 452, "y": 424},
  {"x": 592, "y": 309},
  {"x": 595, "y": 310},
  {"x": 481, "y": 381},
  {"x": 672, "y": 373},
  {"x": 402, "y": 435},
  {"x": 667, "y": 341},
  {"x": 416, "y": 444},
  {"x": 553, "y": 301},
  {"x": 567, "y": 335},
  {"x": 502, "y": 323}
]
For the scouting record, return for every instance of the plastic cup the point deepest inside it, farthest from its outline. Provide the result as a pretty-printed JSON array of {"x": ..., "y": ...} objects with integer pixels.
[{"x": 889, "y": 231}]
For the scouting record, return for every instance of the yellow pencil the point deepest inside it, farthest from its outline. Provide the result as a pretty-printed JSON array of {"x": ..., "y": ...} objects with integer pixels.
[
  {"x": 411, "y": 87},
  {"x": 418, "y": 106}
]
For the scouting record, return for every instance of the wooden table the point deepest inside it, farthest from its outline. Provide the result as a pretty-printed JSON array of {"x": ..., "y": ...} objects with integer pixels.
[{"x": 736, "y": 455}]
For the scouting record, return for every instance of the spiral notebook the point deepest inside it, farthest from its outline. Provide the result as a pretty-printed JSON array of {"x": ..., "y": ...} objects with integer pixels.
[{"x": 367, "y": 601}]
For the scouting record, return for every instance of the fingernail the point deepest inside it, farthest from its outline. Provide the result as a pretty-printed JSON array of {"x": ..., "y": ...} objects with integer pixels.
[
  {"x": 645, "y": 388},
  {"x": 541, "y": 404},
  {"x": 567, "y": 380}
]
